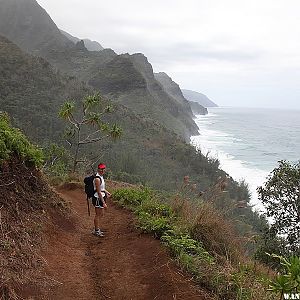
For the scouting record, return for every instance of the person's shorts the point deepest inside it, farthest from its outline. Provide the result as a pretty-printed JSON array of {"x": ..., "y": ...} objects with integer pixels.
[{"x": 97, "y": 202}]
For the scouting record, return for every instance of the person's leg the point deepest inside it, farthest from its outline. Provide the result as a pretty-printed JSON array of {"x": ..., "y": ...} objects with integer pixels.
[{"x": 98, "y": 215}]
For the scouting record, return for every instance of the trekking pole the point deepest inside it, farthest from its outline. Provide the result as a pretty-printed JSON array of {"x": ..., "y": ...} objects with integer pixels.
[{"x": 88, "y": 205}]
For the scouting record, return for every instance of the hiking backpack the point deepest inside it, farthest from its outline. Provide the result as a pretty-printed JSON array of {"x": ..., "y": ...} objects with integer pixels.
[{"x": 89, "y": 185}]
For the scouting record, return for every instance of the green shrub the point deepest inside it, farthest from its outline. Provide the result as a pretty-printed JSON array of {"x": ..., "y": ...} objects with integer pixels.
[
  {"x": 153, "y": 224},
  {"x": 179, "y": 242},
  {"x": 155, "y": 208},
  {"x": 131, "y": 198},
  {"x": 127, "y": 177},
  {"x": 289, "y": 279},
  {"x": 57, "y": 163},
  {"x": 14, "y": 142}
]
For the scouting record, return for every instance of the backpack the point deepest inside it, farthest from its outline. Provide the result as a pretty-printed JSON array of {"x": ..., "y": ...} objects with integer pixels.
[{"x": 89, "y": 185}]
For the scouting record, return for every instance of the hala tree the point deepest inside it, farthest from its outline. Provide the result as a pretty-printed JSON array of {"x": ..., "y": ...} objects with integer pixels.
[
  {"x": 281, "y": 197},
  {"x": 87, "y": 126}
]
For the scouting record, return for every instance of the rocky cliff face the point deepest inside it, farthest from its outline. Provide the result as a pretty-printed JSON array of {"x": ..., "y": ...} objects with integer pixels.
[
  {"x": 173, "y": 89},
  {"x": 129, "y": 79},
  {"x": 90, "y": 45},
  {"x": 198, "y": 109},
  {"x": 179, "y": 110},
  {"x": 198, "y": 97}
]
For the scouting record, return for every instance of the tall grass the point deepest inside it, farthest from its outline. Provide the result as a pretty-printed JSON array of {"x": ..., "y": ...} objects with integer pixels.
[{"x": 200, "y": 240}]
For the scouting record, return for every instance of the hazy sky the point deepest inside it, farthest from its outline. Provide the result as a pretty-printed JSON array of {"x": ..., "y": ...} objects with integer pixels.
[{"x": 237, "y": 52}]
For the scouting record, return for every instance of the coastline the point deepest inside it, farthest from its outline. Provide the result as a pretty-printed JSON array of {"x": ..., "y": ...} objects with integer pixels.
[{"x": 209, "y": 141}]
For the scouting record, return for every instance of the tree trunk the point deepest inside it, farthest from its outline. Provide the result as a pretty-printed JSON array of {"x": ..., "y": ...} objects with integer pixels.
[{"x": 76, "y": 150}]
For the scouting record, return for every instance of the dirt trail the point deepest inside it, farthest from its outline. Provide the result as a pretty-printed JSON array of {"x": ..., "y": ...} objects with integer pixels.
[{"x": 124, "y": 264}]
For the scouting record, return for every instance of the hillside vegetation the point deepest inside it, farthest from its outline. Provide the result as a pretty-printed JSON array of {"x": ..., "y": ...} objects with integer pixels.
[
  {"x": 31, "y": 91},
  {"x": 27, "y": 205},
  {"x": 201, "y": 241},
  {"x": 201, "y": 238},
  {"x": 157, "y": 122}
]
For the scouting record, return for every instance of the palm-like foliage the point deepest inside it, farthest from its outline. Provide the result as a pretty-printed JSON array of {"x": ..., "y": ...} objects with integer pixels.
[
  {"x": 67, "y": 110},
  {"x": 91, "y": 101},
  {"x": 87, "y": 127},
  {"x": 115, "y": 131}
]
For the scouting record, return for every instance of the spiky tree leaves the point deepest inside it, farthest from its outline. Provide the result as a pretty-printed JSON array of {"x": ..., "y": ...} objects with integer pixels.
[
  {"x": 87, "y": 125},
  {"x": 67, "y": 110}
]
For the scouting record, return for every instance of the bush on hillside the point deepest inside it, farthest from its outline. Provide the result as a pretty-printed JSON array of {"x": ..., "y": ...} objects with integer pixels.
[
  {"x": 57, "y": 163},
  {"x": 13, "y": 142}
]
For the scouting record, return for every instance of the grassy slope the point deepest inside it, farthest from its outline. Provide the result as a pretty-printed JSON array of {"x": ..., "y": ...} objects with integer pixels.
[{"x": 200, "y": 239}]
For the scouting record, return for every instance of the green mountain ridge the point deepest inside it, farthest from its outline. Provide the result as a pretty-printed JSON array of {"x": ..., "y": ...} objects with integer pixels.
[
  {"x": 100, "y": 69},
  {"x": 129, "y": 79},
  {"x": 173, "y": 89},
  {"x": 31, "y": 92}
]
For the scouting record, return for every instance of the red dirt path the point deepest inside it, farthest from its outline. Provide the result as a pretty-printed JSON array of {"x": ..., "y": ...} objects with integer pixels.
[{"x": 124, "y": 264}]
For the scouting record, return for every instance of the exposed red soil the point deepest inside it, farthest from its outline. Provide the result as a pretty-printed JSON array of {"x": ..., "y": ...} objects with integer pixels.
[{"x": 125, "y": 264}]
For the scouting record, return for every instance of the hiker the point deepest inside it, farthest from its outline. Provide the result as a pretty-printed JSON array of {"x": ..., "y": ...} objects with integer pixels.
[{"x": 99, "y": 199}]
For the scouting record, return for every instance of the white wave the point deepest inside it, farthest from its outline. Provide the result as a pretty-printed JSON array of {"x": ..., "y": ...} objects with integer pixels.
[{"x": 209, "y": 141}]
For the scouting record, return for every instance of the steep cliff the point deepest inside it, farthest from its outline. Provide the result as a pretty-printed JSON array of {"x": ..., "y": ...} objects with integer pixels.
[
  {"x": 198, "y": 97},
  {"x": 197, "y": 108},
  {"x": 29, "y": 26},
  {"x": 31, "y": 91},
  {"x": 173, "y": 89},
  {"x": 89, "y": 44},
  {"x": 127, "y": 79}
]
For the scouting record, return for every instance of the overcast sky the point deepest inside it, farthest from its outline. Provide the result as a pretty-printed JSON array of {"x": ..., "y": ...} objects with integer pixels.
[{"x": 237, "y": 52}]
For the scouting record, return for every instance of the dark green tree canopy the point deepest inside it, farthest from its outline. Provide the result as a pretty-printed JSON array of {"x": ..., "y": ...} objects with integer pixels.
[{"x": 281, "y": 197}]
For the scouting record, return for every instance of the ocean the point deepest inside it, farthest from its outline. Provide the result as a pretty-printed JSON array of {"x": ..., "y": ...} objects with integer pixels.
[{"x": 249, "y": 142}]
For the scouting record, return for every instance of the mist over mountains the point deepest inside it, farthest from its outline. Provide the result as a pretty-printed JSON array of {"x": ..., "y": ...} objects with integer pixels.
[
  {"x": 124, "y": 78},
  {"x": 90, "y": 45},
  {"x": 28, "y": 25},
  {"x": 41, "y": 68},
  {"x": 198, "y": 97}
]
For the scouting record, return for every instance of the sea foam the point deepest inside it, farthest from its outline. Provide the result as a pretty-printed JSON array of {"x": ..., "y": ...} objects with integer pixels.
[{"x": 210, "y": 142}]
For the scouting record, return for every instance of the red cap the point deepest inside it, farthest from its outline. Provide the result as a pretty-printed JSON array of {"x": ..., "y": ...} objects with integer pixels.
[{"x": 101, "y": 166}]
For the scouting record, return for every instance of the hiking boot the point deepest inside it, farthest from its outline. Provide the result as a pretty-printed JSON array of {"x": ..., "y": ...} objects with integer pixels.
[{"x": 98, "y": 233}]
